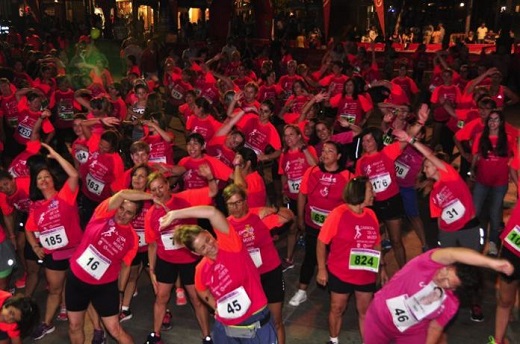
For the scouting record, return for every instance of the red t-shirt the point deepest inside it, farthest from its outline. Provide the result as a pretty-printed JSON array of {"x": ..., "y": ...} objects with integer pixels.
[
  {"x": 380, "y": 169},
  {"x": 19, "y": 199},
  {"x": 324, "y": 191},
  {"x": 104, "y": 247},
  {"x": 64, "y": 106},
  {"x": 11, "y": 329},
  {"x": 293, "y": 165},
  {"x": 207, "y": 127},
  {"x": 256, "y": 237},
  {"x": 259, "y": 135},
  {"x": 353, "y": 109},
  {"x": 160, "y": 150},
  {"x": 191, "y": 177},
  {"x": 138, "y": 226},
  {"x": 350, "y": 235},
  {"x": 166, "y": 249},
  {"x": 232, "y": 279},
  {"x": 451, "y": 201},
  {"x": 9, "y": 110},
  {"x": 256, "y": 194},
  {"x": 218, "y": 149},
  {"x": 57, "y": 220},
  {"x": 334, "y": 83},
  {"x": 286, "y": 83},
  {"x": 26, "y": 121},
  {"x": 450, "y": 93},
  {"x": 269, "y": 93},
  {"x": 493, "y": 170}
]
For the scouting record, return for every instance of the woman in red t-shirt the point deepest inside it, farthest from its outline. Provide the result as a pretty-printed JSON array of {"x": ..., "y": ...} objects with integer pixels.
[
  {"x": 253, "y": 226},
  {"x": 492, "y": 152},
  {"x": 351, "y": 265},
  {"x": 139, "y": 175},
  {"x": 226, "y": 278},
  {"x": 18, "y": 316},
  {"x": 54, "y": 214}
]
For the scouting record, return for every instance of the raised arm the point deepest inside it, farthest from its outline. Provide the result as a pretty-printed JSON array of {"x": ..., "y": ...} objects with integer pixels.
[
  {"x": 451, "y": 255},
  {"x": 127, "y": 195},
  {"x": 72, "y": 173},
  {"x": 216, "y": 218}
]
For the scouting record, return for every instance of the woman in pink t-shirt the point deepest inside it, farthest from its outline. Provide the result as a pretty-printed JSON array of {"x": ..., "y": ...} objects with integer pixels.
[
  {"x": 253, "y": 226},
  {"x": 419, "y": 301}
]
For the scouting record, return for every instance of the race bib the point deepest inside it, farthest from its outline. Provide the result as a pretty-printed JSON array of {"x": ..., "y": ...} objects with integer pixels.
[
  {"x": 401, "y": 170},
  {"x": 12, "y": 121},
  {"x": 54, "y": 239},
  {"x": 176, "y": 94},
  {"x": 453, "y": 212},
  {"x": 401, "y": 316},
  {"x": 351, "y": 118},
  {"x": 294, "y": 185},
  {"x": 168, "y": 243},
  {"x": 318, "y": 215},
  {"x": 93, "y": 262},
  {"x": 513, "y": 238},
  {"x": 387, "y": 139},
  {"x": 94, "y": 185},
  {"x": 234, "y": 304},
  {"x": 381, "y": 182},
  {"x": 66, "y": 116},
  {"x": 157, "y": 160},
  {"x": 24, "y": 131},
  {"x": 81, "y": 156},
  {"x": 460, "y": 124},
  {"x": 140, "y": 235},
  {"x": 364, "y": 259},
  {"x": 255, "y": 255}
]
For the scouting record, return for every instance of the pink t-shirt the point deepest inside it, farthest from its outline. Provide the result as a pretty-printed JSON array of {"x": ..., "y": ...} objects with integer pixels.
[
  {"x": 293, "y": 165},
  {"x": 412, "y": 278},
  {"x": 407, "y": 166}
]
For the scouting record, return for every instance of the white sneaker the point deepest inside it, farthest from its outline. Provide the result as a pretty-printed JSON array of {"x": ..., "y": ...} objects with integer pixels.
[
  {"x": 298, "y": 298},
  {"x": 492, "y": 249}
]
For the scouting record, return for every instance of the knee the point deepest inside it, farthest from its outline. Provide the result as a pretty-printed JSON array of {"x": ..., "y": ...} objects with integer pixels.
[
  {"x": 337, "y": 310},
  {"x": 162, "y": 298},
  {"x": 75, "y": 327}
]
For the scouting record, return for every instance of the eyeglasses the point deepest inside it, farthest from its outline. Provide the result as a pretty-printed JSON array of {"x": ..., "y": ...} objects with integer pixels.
[{"x": 235, "y": 204}]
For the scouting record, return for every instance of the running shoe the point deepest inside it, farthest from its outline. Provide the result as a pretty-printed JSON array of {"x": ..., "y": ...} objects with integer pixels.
[
  {"x": 180, "y": 297},
  {"x": 298, "y": 298},
  {"x": 492, "y": 340},
  {"x": 207, "y": 340},
  {"x": 153, "y": 338},
  {"x": 62, "y": 315},
  {"x": 98, "y": 337},
  {"x": 42, "y": 330},
  {"x": 287, "y": 264},
  {"x": 20, "y": 283},
  {"x": 386, "y": 244},
  {"x": 125, "y": 315},
  {"x": 476, "y": 313},
  {"x": 492, "y": 249},
  {"x": 167, "y": 321}
]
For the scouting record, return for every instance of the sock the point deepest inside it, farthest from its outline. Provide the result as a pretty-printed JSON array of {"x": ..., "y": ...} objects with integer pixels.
[
  {"x": 125, "y": 308},
  {"x": 334, "y": 340}
]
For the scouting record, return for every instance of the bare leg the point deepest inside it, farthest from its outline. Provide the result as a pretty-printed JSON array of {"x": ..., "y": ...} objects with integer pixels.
[
  {"x": 505, "y": 302},
  {"x": 201, "y": 312},
  {"x": 338, "y": 304},
  {"x": 114, "y": 328},
  {"x": 76, "y": 325},
  {"x": 131, "y": 285},
  {"x": 159, "y": 308},
  {"x": 276, "y": 313},
  {"x": 418, "y": 227},
  {"x": 56, "y": 280},
  {"x": 394, "y": 230},
  {"x": 32, "y": 277},
  {"x": 362, "y": 302}
]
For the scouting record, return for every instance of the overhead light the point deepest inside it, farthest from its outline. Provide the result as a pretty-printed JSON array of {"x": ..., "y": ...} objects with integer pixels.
[{"x": 462, "y": 4}]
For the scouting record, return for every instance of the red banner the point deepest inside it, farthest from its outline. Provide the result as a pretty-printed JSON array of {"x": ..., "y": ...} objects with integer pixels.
[
  {"x": 380, "y": 10},
  {"x": 326, "y": 16}
]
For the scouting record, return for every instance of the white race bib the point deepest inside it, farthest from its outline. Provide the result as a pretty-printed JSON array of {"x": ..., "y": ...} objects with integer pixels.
[
  {"x": 318, "y": 215},
  {"x": 294, "y": 185},
  {"x": 453, "y": 212},
  {"x": 234, "y": 304},
  {"x": 255, "y": 255},
  {"x": 381, "y": 182},
  {"x": 24, "y": 131},
  {"x": 54, "y": 239},
  {"x": 81, "y": 156},
  {"x": 167, "y": 240},
  {"x": 176, "y": 94},
  {"x": 364, "y": 259},
  {"x": 140, "y": 235},
  {"x": 93, "y": 262},
  {"x": 94, "y": 185},
  {"x": 157, "y": 160},
  {"x": 351, "y": 118},
  {"x": 401, "y": 316},
  {"x": 401, "y": 170}
]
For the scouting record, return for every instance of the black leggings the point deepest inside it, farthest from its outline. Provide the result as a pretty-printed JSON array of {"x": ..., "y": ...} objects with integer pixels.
[{"x": 309, "y": 260}]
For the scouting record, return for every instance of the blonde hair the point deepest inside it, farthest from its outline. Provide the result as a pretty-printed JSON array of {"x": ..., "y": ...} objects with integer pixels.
[{"x": 186, "y": 235}]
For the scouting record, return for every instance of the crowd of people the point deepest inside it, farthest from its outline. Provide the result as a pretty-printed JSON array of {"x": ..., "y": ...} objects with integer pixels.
[{"x": 92, "y": 192}]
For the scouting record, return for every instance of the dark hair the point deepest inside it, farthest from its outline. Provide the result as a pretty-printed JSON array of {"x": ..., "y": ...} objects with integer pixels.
[
  {"x": 204, "y": 104},
  {"x": 301, "y": 83},
  {"x": 31, "y": 95},
  {"x": 197, "y": 137},
  {"x": 4, "y": 174},
  {"x": 249, "y": 155},
  {"x": 377, "y": 134},
  {"x": 269, "y": 104},
  {"x": 99, "y": 103},
  {"x": 485, "y": 145},
  {"x": 35, "y": 194},
  {"x": 112, "y": 137},
  {"x": 30, "y": 313},
  {"x": 132, "y": 59},
  {"x": 354, "y": 192},
  {"x": 138, "y": 206}
]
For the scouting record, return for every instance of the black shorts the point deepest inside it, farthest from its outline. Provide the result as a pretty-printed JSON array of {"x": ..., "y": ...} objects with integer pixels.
[
  {"x": 166, "y": 272},
  {"x": 273, "y": 285},
  {"x": 389, "y": 209},
  {"x": 141, "y": 257},
  {"x": 57, "y": 265},
  {"x": 339, "y": 287},
  {"x": 20, "y": 220},
  {"x": 513, "y": 259},
  {"x": 104, "y": 297},
  {"x": 3, "y": 335}
]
